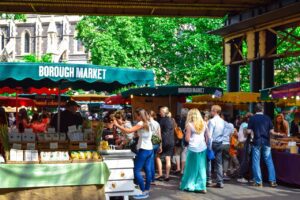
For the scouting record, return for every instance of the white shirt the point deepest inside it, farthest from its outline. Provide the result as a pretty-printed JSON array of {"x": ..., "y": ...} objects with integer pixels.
[
  {"x": 216, "y": 127},
  {"x": 241, "y": 135},
  {"x": 228, "y": 130},
  {"x": 197, "y": 141},
  {"x": 145, "y": 136},
  {"x": 154, "y": 125}
]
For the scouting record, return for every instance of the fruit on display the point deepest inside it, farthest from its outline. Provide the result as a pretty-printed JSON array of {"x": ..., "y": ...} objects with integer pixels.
[
  {"x": 104, "y": 145},
  {"x": 85, "y": 155}
]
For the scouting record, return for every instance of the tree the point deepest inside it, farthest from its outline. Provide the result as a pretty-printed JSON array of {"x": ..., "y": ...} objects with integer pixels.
[
  {"x": 46, "y": 58},
  {"x": 179, "y": 50}
]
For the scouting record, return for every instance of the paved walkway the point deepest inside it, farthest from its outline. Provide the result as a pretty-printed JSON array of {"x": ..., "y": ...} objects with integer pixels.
[{"x": 232, "y": 190}]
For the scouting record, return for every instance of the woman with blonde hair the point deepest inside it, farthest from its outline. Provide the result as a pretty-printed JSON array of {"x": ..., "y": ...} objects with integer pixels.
[{"x": 194, "y": 175}]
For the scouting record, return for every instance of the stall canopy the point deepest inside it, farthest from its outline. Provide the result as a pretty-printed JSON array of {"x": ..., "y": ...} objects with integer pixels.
[
  {"x": 230, "y": 97},
  {"x": 89, "y": 97},
  {"x": 117, "y": 100},
  {"x": 290, "y": 90},
  {"x": 31, "y": 90},
  {"x": 172, "y": 91},
  {"x": 77, "y": 76},
  {"x": 13, "y": 102}
]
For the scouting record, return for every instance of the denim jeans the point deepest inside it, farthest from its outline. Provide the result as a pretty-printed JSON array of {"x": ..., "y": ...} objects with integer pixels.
[
  {"x": 267, "y": 156},
  {"x": 155, "y": 148},
  {"x": 143, "y": 161},
  {"x": 218, "y": 167}
]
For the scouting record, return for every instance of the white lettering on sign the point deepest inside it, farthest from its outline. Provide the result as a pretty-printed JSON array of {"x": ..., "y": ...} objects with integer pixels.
[
  {"x": 72, "y": 72},
  {"x": 191, "y": 90}
]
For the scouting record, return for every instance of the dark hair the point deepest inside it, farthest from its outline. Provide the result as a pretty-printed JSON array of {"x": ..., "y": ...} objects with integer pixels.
[
  {"x": 144, "y": 116},
  {"x": 23, "y": 115},
  {"x": 247, "y": 117},
  {"x": 35, "y": 117},
  {"x": 3, "y": 117},
  {"x": 259, "y": 107}
]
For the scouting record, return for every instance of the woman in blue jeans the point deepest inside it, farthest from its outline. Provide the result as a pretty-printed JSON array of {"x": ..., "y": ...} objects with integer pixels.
[{"x": 145, "y": 150}]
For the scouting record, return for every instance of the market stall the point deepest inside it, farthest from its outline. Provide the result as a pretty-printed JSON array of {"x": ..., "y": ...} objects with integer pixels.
[
  {"x": 68, "y": 159},
  {"x": 229, "y": 101},
  {"x": 285, "y": 150},
  {"x": 152, "y": 98}
]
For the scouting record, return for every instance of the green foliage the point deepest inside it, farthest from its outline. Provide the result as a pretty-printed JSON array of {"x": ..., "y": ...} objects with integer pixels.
[
  {"x": 20, "y": 17},
  {"x": 178, "y": 49},
  {"x": 46, "y": 58}
]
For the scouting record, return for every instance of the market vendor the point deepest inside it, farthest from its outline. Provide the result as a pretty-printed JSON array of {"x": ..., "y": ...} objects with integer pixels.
[
  {"x": 23, "y": 120},
  {"x": 295, "y": 125},
  {"x": 109, "y": 131},
  {"x": 68, "y": 117},
  {"x": 281, "y": 125}
]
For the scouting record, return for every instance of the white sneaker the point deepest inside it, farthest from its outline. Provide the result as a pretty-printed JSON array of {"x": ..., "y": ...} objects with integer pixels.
[
  {"x": 242, "y": 180},
  {"x": 141, "y": 196}
]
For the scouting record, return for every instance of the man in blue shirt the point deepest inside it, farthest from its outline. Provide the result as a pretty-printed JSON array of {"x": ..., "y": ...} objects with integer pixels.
[
  {"x": 216, "y": 128},
  {"x": 261, "y": 126}
]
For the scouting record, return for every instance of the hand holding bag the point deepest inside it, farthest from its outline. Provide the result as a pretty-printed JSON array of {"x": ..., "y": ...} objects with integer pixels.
[{"x": 209, "y": 152}]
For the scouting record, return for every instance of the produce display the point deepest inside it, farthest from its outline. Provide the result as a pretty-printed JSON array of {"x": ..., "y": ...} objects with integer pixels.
[
  {"x": 85, "y": 155},
  {"x": 76, "y": 145}
]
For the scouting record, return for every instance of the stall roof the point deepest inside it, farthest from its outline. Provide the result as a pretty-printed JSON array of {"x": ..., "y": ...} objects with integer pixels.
[
  {"x": 210, "y": 8},
  {"x": 172, "y": 91},
  {"x": 230, "y": 97},
  {"x": 283, "y": 91},
  {"x": 77, "y": 76},
  {"x": 89, "y": 97}
]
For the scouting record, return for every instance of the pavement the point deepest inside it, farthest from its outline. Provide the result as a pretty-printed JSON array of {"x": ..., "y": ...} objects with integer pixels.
[{"x": 232, "y": 190}]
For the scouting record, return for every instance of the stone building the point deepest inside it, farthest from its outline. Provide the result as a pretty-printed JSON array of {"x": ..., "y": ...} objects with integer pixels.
[{"x": 41, "y": 34}]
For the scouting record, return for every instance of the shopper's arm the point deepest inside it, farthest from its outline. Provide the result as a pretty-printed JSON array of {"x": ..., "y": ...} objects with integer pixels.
[{"x": 128, "y": 130}]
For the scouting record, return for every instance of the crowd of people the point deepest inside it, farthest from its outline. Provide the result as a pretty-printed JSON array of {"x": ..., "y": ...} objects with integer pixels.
[
  {"x": 236, "y": 146},
  {"x": 206, "y": 148}
]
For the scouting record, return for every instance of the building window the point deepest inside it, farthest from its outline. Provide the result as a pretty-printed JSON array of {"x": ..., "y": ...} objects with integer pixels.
[
  {"x": 26, "y": 43},
  {"x": 2, "y": 42},
  {"x": 80, "y": 47}
]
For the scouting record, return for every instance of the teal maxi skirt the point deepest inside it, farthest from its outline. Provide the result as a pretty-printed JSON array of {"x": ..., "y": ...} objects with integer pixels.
[{"x": 194, "y": 175}]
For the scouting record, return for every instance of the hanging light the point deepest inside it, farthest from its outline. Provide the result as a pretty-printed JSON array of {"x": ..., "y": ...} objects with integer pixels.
[
  {"x": 131, "y": 96},
  {"x": 213, "y": 96},
  {"x": 285, "y": 98},
  {"x": 297, "y": 98}
]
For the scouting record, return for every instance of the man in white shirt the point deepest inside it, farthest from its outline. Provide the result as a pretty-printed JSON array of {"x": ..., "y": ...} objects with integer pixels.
[{"x": 216, "y": 127}]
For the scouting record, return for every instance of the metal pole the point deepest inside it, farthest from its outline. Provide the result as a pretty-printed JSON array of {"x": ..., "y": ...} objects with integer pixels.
[{"x": 59, "y": 105}]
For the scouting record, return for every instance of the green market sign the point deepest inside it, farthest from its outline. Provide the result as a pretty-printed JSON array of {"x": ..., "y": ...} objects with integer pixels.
[{"x": 72, "y": 72}]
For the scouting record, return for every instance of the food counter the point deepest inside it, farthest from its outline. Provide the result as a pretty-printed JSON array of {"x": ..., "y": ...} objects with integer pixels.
[{"x": 40, "y": 179}]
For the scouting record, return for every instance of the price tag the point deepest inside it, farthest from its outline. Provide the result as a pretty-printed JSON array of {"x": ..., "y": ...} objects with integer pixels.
[
  {"x": 53, "y": 145},
  {"x": 30, "y": 146},
  {"x": 72, "y": 129},
  {"x": 17, "y": 146},
  {"x": 82, "y": 145}
]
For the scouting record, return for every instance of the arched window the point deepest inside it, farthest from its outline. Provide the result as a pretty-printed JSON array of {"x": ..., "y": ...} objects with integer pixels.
[{"x": 26, "y": 43}]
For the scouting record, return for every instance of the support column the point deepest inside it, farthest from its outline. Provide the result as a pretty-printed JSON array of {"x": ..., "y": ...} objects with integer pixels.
[
  {"x": 233, "y": 78},
  {"x": 255, "y": 72},
  {"x": 268, "y": 72}
]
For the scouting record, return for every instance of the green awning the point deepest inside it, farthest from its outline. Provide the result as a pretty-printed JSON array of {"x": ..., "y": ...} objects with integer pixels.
[
  {"x": 76, "y": 76},
  {"x": 172, "y": 91}
]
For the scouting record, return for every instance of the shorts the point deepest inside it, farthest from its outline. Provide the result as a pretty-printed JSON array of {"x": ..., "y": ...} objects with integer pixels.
[{"x": 184, "y": 154}]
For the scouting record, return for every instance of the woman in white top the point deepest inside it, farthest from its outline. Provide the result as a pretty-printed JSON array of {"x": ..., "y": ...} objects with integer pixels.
[
  {"x": 145, "y": 150},
  {"x": 194, "y": 175}
]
